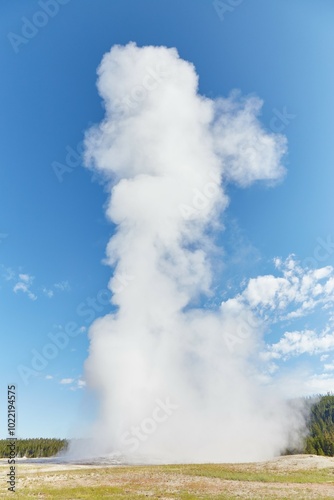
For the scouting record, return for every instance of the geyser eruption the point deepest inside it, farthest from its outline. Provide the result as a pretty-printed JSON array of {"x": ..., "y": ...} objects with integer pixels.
[{"x": 176, "y": 382}]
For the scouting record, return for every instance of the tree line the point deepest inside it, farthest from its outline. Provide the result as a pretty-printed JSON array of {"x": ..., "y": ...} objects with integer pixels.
[
  {"x": 320, "y": 439},
  {"x": 34, "y": 448}
]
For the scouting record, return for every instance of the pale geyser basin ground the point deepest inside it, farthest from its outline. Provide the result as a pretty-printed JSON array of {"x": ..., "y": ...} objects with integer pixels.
[{"x": 296, "y": 476}]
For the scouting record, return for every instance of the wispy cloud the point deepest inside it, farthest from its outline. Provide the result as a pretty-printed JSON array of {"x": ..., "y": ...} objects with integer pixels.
[
  {"x": 63, "y": 286},
  {"x": 26, "y": 278},
  {"x": 292, "y": 293},
  {"x": 302, "y": 342},
  {"x": 24, "y": 285},
  {"x": 23, "y": 282},
  {"x": 296, "y": 293},
  {"x": 81, "y": 383},
  {"x": 48, "y": 292},
  {"x": 67, "y": 381},
  {"x": 8, "y": 273},
  {"x": 319, "y": 383},
  {"x": 74, "y": 383}
]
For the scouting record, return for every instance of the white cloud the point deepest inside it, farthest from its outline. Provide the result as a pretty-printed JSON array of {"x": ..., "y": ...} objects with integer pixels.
[
  {"x": 303, "y": 382},
  {"x": 265, "y": 291},
  {"x": 302, "y": 342},
  {"x": 20, "y": 287},
  {"x": 294, "y": 294},
  {"x": 26, "y": 278},
  {"x": 49, "y": 377},
  {"x": 24, "y": 283},
  {"x": 24, "y": 286},
  {"x": 49, "y": 293},
  {"x": 250, "y": 153},
  {"x": 74, "y": 383},
  {"x": 319, "y": 384},
  {"x": 9, "y": 274},
  {"x": 81, "y": 383},
  {"x": 62, "y": 286},
  {"x": 329, "y": 287},
  {"x": 67, "y": 381}
]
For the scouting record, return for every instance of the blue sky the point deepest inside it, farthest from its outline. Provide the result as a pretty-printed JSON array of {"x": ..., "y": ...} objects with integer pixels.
[{"x": 53, "y": 230}]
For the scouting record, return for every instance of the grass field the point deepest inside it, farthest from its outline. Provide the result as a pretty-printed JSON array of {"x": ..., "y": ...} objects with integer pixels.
[{"x": 299, "y": 477}]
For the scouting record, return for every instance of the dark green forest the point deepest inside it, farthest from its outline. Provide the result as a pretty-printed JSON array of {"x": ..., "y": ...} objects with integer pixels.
[
  {"x": 319, "y": 440},
  {"x": 33, "y": 448}
]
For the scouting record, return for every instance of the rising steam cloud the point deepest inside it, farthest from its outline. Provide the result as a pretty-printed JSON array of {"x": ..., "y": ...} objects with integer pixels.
[{"x": 176, "y": 382}]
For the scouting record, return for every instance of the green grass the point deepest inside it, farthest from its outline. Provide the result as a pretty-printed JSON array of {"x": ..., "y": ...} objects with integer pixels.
[
  {"x": 234, "y": 472},
  {"x": 241, "y": 472},
  {"x": 154, "y": 482},
  {"x": 93, "y": 493}
]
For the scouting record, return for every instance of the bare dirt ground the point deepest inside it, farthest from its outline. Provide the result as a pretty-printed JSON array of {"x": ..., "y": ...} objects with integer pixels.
[
  {"x": 291, "y": 463},
  {"x": 293, "y": 477}
]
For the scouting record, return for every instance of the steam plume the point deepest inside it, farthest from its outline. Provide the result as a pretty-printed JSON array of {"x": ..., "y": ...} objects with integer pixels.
[{"x": 176, "y": 382}]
